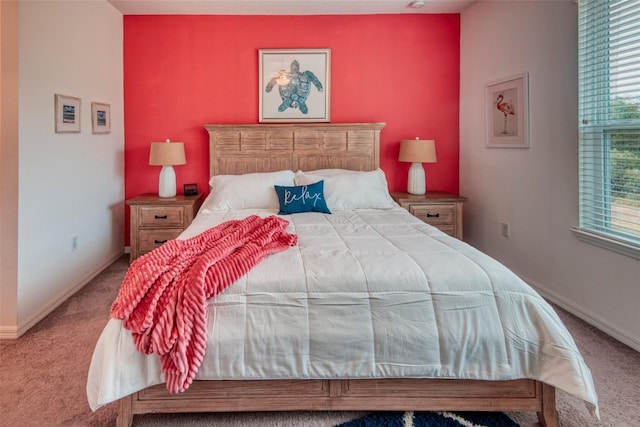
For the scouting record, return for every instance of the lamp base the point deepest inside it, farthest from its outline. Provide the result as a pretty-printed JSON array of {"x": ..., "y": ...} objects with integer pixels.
[
  {"x": 167, "y": 182},
  {"x": 416, "y": 183}
]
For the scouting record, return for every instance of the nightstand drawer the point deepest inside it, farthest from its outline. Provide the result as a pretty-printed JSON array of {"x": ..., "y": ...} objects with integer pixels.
[
  {"x": 151, "y": 239},
  {"x": 161, "y": 216},
  {"x": 434, "y": 214}
]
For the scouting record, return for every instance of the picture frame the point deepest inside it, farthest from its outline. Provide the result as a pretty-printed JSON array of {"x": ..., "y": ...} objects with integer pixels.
[
  {"x": 507, "y": 112},
  {"x": 100, "y": 118},
  {"x": 67, "y": 113},
  {"x": 294, "y": 85}
]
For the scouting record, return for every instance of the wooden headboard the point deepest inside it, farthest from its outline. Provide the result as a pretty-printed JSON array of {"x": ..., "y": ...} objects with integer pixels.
[{"x": 238, "y": 149}]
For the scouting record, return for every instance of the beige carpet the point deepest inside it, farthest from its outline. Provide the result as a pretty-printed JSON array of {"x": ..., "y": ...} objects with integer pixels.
[{"x": 43, "y": 375}]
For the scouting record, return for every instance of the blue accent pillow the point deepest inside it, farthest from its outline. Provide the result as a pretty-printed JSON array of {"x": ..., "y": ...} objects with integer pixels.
[{"x": 302, "y": 198}]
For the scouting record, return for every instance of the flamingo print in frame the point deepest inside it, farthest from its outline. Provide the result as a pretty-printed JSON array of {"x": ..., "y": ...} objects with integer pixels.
[{"x": 507, "y": 112}]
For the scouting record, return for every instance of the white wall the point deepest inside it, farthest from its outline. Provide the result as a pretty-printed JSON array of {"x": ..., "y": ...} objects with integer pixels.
[
  {"x": 536, "y": 189},
  {"x": 69, "y": 184}
]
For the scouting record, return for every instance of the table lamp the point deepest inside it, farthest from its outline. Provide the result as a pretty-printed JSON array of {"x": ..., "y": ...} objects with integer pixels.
[
  {"x": 417, "y": 151},
  {"x": 167, "y": 154}
]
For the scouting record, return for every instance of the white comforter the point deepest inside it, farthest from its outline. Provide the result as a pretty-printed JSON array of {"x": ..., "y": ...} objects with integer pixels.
[{"x": 366, "y": 293}]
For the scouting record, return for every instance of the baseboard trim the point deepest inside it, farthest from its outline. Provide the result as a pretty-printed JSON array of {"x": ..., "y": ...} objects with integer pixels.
[
  {"x": 11, "y": 332},
  {"x": 8, "y": 332},
  {"x": 591, "y": 318}
]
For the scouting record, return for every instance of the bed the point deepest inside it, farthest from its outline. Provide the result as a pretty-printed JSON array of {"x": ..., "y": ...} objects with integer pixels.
[{"x": 407, "y": 298}]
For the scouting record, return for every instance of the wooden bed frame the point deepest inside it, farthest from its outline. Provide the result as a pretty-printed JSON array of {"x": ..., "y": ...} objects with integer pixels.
[{"x": 236, "y": 149}]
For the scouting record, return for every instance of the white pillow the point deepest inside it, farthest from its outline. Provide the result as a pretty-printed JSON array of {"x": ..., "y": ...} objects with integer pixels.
[
  {"x": 359, "y": 190},
  {"x": 247, "y": 191}
]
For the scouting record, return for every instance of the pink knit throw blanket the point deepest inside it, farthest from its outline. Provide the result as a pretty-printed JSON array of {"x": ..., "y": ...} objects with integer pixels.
[{"x": 163, "y": 298}]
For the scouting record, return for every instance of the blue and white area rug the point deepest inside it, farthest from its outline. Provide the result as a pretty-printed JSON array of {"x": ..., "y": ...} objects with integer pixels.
[{"x": 432, "y": 419}]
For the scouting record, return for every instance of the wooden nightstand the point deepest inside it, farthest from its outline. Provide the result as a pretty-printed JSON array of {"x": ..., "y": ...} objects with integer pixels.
[
  {"x": 442, "y": 210},
  {"x": 154, "y": 219}
]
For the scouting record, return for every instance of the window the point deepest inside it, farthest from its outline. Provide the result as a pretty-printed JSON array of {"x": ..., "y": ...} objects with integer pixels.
[{"x": 609, "y": 90}]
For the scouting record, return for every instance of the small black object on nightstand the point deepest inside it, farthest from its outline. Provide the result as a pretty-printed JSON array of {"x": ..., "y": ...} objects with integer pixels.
[{"x": 190, "y": 189}]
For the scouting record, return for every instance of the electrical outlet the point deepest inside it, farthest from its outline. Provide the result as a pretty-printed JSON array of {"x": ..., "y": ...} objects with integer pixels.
[
  {"x": 74, "y": 243},
  {"x": 504, "y": 229}
]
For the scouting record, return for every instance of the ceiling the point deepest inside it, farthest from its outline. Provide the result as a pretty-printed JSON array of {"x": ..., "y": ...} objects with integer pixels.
[{"x": 285, "y": 7}]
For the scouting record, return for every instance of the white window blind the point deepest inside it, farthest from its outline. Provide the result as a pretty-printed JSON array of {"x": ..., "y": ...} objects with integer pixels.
[{"x": 609, "y": 90}]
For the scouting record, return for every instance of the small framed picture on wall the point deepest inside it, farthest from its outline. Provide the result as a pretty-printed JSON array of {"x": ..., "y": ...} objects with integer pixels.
[
  {"x": 67, "y": 114},
  {"x": 507, "y": 112},
  {"x": 100, "y": 117}
]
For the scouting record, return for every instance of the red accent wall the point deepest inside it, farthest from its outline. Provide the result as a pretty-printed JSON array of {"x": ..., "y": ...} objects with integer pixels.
[{"x": 181, "y": 72}]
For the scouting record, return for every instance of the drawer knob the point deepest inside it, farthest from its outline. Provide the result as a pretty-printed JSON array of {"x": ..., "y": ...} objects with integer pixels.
[
  {"x": 158, "y": 242},
  {"x": 161, "y": 217},
  {"x": 436, "y": 215}
]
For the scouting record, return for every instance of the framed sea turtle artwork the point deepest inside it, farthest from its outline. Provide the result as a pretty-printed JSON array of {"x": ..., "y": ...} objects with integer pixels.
[
  {"x": 507, "y": 112},
  {"x": 295, "y": 85}
]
